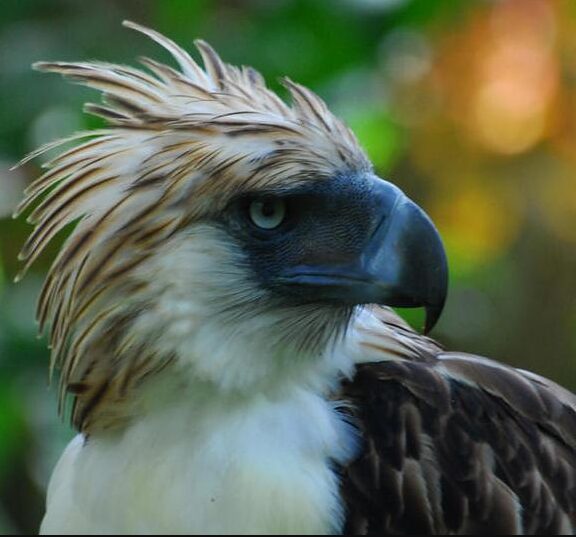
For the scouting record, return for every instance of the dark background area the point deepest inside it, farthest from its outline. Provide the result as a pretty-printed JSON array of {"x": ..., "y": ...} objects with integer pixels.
[{"x": 468, "y": 105}]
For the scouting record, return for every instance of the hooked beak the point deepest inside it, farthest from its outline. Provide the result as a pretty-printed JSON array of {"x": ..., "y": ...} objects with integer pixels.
[{"x": 403, "y": 263}]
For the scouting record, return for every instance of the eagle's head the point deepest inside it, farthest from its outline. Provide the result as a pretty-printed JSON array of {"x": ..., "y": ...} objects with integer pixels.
[{"x": 220, "y": 234}]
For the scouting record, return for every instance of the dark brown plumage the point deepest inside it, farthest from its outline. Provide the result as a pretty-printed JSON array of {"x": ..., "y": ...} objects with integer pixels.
[{"x": 457, "y": 444}]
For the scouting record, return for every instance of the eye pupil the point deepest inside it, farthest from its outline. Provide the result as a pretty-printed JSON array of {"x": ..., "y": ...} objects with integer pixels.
[
  {"x": 267, "y": 214},
  {"x": 268, "y": 209}
]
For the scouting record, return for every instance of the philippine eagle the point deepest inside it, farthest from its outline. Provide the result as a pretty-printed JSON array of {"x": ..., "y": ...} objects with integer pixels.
[{"x": 219, "y": 317}]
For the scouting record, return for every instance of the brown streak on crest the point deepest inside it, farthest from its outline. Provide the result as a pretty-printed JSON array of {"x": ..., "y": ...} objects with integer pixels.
[
  {"x": 177, "y": 140},
  {"x": 61, "y": 198}
]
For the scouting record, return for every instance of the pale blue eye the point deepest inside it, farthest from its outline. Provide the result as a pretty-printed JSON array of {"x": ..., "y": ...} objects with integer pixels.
[{"x": 267, "y": 214}]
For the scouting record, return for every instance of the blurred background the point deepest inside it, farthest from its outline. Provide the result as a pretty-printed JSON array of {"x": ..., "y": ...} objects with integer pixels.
[{"x": 468, "y": 105}]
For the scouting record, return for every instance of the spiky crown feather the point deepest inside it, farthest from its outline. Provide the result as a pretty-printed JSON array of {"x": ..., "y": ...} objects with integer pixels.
[{"x": 177, "y": 145}]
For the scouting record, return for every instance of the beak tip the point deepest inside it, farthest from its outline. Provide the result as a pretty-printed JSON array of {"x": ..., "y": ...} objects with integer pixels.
[{"x": 432, "y": 315}]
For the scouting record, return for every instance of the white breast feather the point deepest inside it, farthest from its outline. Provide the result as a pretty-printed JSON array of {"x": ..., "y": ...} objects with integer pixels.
[{"x": 257, "y": 466}]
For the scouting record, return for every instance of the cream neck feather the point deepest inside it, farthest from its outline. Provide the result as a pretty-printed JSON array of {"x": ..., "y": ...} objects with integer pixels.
[{"x": 206, "y": 459}]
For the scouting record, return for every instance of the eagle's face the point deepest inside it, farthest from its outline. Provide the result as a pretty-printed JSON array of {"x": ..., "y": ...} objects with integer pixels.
[
  {"x": 276, "y": 274},
  {"x": 219, "y": 229}
]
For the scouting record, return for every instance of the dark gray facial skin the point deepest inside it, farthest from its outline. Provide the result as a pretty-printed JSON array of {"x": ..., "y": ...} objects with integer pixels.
[{"x": 348, "y": 240}]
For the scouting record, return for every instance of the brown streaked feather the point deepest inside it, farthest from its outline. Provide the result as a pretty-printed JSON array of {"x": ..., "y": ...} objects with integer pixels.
[
  {"x": 175, "y": 140},
  {"x": 456, "y": 444},
  {"x": 188, "y": 66}
]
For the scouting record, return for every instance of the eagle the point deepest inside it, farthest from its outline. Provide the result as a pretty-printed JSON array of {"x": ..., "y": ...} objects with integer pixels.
[{"x": 220, "y": 315}]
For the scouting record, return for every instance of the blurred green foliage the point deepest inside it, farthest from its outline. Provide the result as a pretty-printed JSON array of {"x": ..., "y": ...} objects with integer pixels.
[{"x": 467, "y": 104}]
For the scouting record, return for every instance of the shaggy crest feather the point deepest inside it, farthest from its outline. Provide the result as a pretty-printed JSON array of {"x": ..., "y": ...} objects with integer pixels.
[{"x": 176, "y": 146}]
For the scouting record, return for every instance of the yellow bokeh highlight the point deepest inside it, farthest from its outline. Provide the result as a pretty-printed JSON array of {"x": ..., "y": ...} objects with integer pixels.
[
  {"x": 478, "y": 222},
  {"x": 557, "y": 199},
  {"x": 516, "y": 77}
]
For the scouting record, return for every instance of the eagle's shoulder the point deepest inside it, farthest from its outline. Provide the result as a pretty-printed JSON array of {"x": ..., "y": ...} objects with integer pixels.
[{"x": 455, "y": 443}]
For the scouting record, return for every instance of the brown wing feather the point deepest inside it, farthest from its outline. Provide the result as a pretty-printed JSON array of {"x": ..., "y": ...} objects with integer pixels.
[{"x": 458, "y": 444}]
